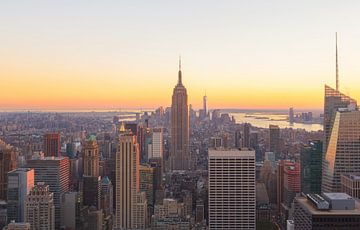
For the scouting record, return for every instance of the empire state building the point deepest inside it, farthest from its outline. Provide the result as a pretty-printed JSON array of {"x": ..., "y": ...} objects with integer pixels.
[{"x": 179, "y": 154}]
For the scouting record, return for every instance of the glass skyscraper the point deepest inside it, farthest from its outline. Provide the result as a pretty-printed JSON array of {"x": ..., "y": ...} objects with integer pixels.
[{"x": 311, "y": 160}]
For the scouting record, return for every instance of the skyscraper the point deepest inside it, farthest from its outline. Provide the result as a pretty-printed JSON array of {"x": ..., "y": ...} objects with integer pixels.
[
  {"x": 311, "y": 163},
  {"x": 334, "y": 100},
  {"x": 275, "y": 140},
  {"x": 40, "y": 210},
  {"x": 291, "y": 115},
  {"x": 54, "y": 171},
  {"x": 246, "y": 140},
  {"x": 232, "y": 189},
  {"x": 157, "y": 143},
  {"x": 179, "y": 154},
  {"x": 128, "y": 207},
  {"x": 205, "y": 104},
  {"x": 147, "y": 184},
  {"x": 20, "y": 182},
  {"x": 91, "y": 157},
  {"x": 291, "y": 182},
  {"x": 52, "y": 144},
  {"x": 7, "y": 163},
  {"x": 343, "y": 152}
]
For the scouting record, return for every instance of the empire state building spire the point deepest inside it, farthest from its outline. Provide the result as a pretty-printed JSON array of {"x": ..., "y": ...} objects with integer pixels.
[{"x": 179, "y": 74}]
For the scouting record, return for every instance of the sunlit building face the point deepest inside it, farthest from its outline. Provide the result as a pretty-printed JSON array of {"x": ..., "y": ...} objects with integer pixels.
[{"x": 343, "y": 152}]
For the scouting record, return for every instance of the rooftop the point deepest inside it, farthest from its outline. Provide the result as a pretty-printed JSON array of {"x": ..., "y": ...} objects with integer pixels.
[
  {"x": 313, "y": 210},
  {"x": 231, "y": 153},
  {"x": 352, "y": 176},
  {"x": 337, "y": 196}
]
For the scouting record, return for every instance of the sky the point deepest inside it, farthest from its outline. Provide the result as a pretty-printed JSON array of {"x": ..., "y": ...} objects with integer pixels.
[{"x": 89, "y": 54}]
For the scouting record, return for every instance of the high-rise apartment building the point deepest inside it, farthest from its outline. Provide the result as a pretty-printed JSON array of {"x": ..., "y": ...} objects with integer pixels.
[
  {"x": 232, "y": 189},
  {"x": 128, "y": 208},
  {"x": 275, "y": 140},
  {"x": 91, "y": 157},
  {"x": 179, "y": 154},
  {"x": 343, "y": 151},
  {"x": 311, "y": 167},
  {"x": 54, "y": 172},
  {"x": 40, "y": 210},
  {"x": 52, "y": 144},
  {"x": 8, "y": 163},
  {"x": 20, "y": 182}
]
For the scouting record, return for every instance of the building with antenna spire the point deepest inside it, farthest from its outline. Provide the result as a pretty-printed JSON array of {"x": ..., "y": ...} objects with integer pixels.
[
  {"x": 337, "y": 64},
  {"x": 179, "y": 154},
  {"x": 341, "y": 136}
]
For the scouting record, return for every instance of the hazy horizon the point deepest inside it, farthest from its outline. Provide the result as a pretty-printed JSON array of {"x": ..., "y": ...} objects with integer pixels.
[{"x": 65, "y": 55}]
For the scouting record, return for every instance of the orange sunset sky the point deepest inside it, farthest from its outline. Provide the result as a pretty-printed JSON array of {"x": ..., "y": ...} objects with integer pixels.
[{"x": 110, "y": 54}]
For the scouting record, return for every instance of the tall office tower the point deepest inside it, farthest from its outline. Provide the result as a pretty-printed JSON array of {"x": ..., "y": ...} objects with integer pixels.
[
  {"x": 91, "y": 191},
  {"x": 54, "y": 171},
  {"x": 291, "y": 115},
  {"x": 52, "y": 144},
  {"x": 280, "y": 182},
  {"x": 147, "y": 184},
  {"x": 39, "y": 207},
  {"x": 246, "y": 140},
  {"x": 343, "y": 152},
  {"x": 231, "y": 189},
  {"x": 157, "y": 143},
  {"x": 327, "y": 211},
  {"x": 20, "y": 182},
  {"x": 291, "y": 182},
  {"x": 275, "y": 140},
  {"x": 311, "y": 163},
  {"x": 157, "y": 165},
  {"x": 7, "y": 163},
  {"x": 146, "y": 145},
  {"x": 70, "y": 208},
  {"x": 333, "y": 101},
  {"x": 238, "y": 139},
  {"x": 179, "y": 127},
  {"x": 91, "y": 157},
  {"x": 205, "y": 104},
  {"x": 106, "y": 196},
  {"x": 127, "y": 191}
]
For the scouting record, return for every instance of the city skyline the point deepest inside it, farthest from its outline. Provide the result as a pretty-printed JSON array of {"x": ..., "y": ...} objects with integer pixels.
[{"x": 67, "y": 56}]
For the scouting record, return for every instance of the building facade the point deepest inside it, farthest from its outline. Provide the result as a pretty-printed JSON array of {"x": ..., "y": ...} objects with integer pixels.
[
  {"x": 232, "y": 189},
  {"x": 311, "y": 167},
  {"x": 275, "y": 140},
  {"x": 91, "y": 157},
  {"x": 52, "y": 144},
  {"x": 8, "y": 163},
  {"x": 343, "y": 151},
  {"x": 40, "y": 210},
  {"x": 54, "y": 172},
  {"x": 20, "y": 182},
  {"x": 127, "y": 190}
]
